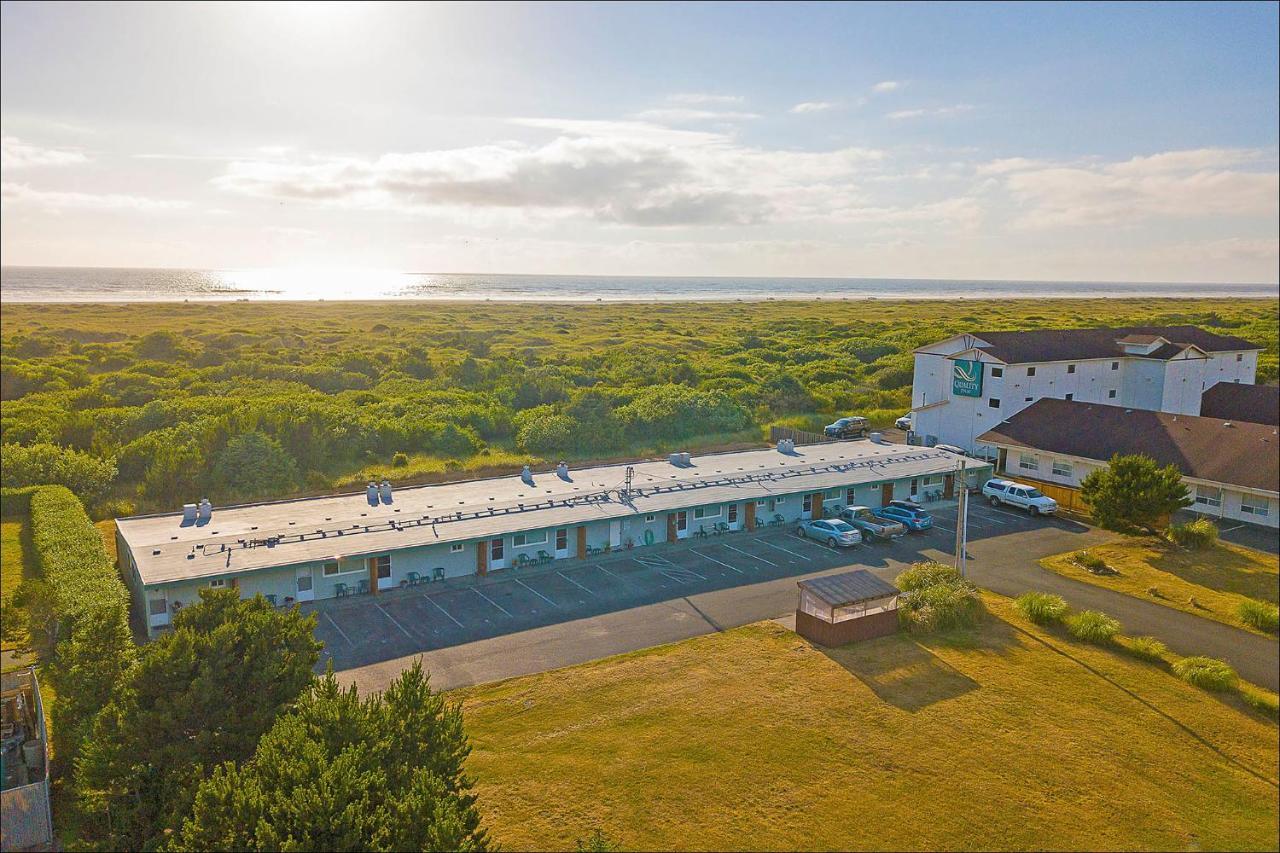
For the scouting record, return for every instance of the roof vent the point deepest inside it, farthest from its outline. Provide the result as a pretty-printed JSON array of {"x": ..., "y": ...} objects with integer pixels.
[
  {"x": 371, "y": 492},
  {"x": 877, "y": 438},
  {"x": 562, "y": 471},
  {"x": 526, "y": 475},
  {"x": 685, "y": 459},
  {"x": 1229, "y": 425},
  {"x": 188, "y": 513},
  {"x": 786, "y": 445},
  {"x": 205, "y": 510},
  {"x": 674, "y": 459},
  {"x": 385, "y": 491}
]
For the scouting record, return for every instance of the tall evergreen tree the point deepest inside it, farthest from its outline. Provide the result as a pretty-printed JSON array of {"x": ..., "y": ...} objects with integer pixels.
[
  {"x": 342, "y": 773},
  {"x": 1133, "y": 493}
]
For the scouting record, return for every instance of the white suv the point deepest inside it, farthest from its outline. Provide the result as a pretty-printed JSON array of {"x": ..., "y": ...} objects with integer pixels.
[{"x": 1029, "y": 498}]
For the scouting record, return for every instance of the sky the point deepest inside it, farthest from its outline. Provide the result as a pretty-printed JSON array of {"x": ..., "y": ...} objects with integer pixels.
[{"x": 1095, "y": 142}]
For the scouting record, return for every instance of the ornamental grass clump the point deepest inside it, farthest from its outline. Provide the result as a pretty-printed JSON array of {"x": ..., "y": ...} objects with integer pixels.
[
  {"x": 1259, "y": 614},
  {"x": 1092, "y": 562},
  {"x": 936, "y": 598},
  {"x": 1206, "y": 673},
  {"x": 1195, "y": 535},
  {"x": 1147, "y": 648},
  {"x": 1093, "y": 626},
  {"x": 1041, "y": 608}
]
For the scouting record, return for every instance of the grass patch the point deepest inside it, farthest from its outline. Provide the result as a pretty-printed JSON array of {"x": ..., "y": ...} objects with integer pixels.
[
  {"x": 1206, "y": 673},
  {"x": 1092, "y": 626},
  {"x": 755, "y": 738},
  {"x": 1260, "y": 615},
  {"x": 1041, "y": 608},
  {"x": 1196, "y": 535},
  {"x": 16, "y": 564},
  {"x": 1145, "y": 648},
  {"x": 1213, "y": 582}
]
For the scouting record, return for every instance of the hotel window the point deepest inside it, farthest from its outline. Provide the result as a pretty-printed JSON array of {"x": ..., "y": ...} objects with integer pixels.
[
  {"x": 1255, "y": 505},
  {"x": 994, "y": 402},
  {"x": 456, "y": 548},
  {"x": 332, "y": 568},
  {"x": 650, "y": 517},
  {"x": 779, "y": 500},
  {"x": 522, "y": 539},
  {"x": 1031, "y": 371},
  {"x": 1071, "y": 396},
  {"x": 832, "y": 494},
  {"x": 1208, "y": 496},
  {"x": 1239, "y": 357},
  {"x": 1071, "y": 368},
  {"x": 218, "y": 584},
  {"x": 1028, "y": 462},
  {"x": 157, "y": 607},
  {"x": 1026, "y": 399},
  {"x": 1061, "y": 469},
  {"x": 562, "y": 539},
  {"x": 760, "y": 502},
  {"x": 706, "y": 512},
  {"x": 997, "y": 372},
  {"x": 1111, "y": 395},
  {"x": 1115, "y": 365}
]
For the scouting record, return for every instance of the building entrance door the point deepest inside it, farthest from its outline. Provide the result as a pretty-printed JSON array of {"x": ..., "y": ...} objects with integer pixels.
[
  {"x": 682, "y": 524},
  {"x": 497, "y": 555},
  {"x": 886, "y": 494},
  {"x": 733, "y": 516},
  {"x": 562, "y": 542},
  {"x": 306, "y": 591}
]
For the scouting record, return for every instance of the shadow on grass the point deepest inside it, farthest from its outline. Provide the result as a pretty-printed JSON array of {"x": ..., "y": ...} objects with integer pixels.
[
  {"x": 1216, "y": 568},
  {"x": 902, "y": 671}
]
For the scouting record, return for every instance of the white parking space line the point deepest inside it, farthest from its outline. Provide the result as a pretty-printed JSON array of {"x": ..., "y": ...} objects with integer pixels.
[
  {"x": 780, "y": 548},
  {"x": 393, "y": 621},
  {"x": 535, "y": 592},
  {"x": 752, "y": 556},
  {"x": 1000, "y": 512},
  {"x": 717, "y": 562},
  {"x": 337, "y": 628},
  {"x": 490, "y": 600},
  {"x": 620, "y": 580},
  {"x": 578, "y": 585},
  {"x": 937, "y": 526},
  {"x": 442, "y": 610}
]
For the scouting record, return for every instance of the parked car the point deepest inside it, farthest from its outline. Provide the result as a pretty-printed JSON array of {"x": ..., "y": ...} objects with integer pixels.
[
  {"x": 832, "y": 531},
  {"x": 1021, "y": 495},
  {"x": 851, "y": 427},
  {"x": 871, "y": 525},
  {"x": 913, "y": 518},
  {"x": 904, "y": 422}
]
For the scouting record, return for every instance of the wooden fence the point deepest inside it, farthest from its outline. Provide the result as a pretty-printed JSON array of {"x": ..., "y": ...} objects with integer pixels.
[{"x": 799, "y": 436}]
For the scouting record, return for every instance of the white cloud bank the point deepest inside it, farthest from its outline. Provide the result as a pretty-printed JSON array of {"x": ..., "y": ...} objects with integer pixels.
[
  {"x": 812, "y": 107},
  {"x": 16, "y": 154},
  {"x": 23, "y": 195}
]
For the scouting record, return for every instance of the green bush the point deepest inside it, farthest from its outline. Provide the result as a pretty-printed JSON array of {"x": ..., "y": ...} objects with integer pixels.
[
  {"x": 936, "y": 598},
  {"x": 1259, "y": 614},
  {"x": 1196, "y": 535},
  {"x": 1147, "y": 648},
  {"x": 1093, "y": 627},
  {"x": 400, "y": 460},
  {"x": 16, "y": 501},
  {"x": 1267, "y": 703},
  {"x": 1092, "y": 562},
  {"x": 1041, "y": 607},
  {"x": 1206, "y": 673}
]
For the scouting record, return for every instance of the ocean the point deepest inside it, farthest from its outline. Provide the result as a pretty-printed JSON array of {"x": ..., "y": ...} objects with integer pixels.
[{"x": 86, "y": 284}]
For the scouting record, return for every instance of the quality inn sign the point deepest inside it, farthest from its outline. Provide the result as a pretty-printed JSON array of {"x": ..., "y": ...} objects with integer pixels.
[{"x": 966, "y": 378}]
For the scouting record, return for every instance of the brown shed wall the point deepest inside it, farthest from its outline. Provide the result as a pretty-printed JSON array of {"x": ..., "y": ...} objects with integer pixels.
[{"x": 849, "y": 631}]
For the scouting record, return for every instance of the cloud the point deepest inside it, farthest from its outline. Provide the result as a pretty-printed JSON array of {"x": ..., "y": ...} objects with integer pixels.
[
  {"x": 705, "y": 98},
  {"x": 16, "y": 154},
  {"x": 591, "y": 171},
  {"x": 55, "y": 200},
  {"x": 1206, "y": 182},
  {"x": 885, "y": 86},
  {"x": 682, "y": 115},
  {"x": 812, "y": 107},
  {"x": 954, "y": 109}
]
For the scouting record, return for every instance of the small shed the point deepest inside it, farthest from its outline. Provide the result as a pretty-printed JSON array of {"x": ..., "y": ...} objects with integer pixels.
[{"x": 839, "y": 609}]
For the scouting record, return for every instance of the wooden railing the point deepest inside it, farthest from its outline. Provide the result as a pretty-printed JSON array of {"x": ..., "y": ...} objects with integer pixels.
[{"x": 799, "y": 436}]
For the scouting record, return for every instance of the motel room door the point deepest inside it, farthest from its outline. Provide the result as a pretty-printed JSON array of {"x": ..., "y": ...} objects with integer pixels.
[
  {"x": 562, "y": 542},
  {"x": 380, "y": 568},
  {"x": 497, "y": 554},
  {"x": 305, "y": 590},
  {"x": 682, "y": 524},
  {"x": 886, "y": 493},
  {"x": 732, "y": 518}
]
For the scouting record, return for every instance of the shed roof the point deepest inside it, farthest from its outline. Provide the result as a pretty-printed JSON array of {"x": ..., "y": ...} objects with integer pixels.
[
  {"x": 848, "y": 588},
  {"x": 255, "y": 536}
]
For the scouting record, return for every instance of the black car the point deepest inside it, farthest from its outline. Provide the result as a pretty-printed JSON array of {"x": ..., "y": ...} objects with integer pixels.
[{"x": 852, "y": 427}]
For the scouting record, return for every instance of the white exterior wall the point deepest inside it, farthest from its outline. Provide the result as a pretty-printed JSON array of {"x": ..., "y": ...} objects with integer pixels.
[
  {"x": 1142, "y": 383},
  {"x": 1183, "y": 385},
  {"x": 1239, "y": 367}
]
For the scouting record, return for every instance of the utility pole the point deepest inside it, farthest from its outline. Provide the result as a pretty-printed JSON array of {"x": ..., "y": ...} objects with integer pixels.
[{"x": 962, "y": 515}]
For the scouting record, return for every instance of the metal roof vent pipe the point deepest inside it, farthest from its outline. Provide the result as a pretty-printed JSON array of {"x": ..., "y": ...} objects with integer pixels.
[
  {"x": 188, "y": 514},
  {"x": 371, "y": 492},
  {"x": 674, "y": 459},
  {"x": 685, "y": 459},
  {"x": 562, "y": 471},
  {"x": 877, "y": 438},
  {"x": 526, "y": 475},
  {"x": 385, "y": 491},
  {"x": 205, "y": 510}
]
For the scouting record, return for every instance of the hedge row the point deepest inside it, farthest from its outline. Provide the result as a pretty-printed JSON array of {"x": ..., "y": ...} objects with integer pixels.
[
  {"x": 69, "y": 553},
  {"x": 16, "y": 500}
]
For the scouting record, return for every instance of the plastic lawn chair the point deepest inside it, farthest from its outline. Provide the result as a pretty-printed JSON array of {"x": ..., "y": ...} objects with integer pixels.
[
  {"x": 544, "y": 557},
  {"x": 414, "y": 578},
  {"x": 340, "y": 590},
  {"x": 363, "y": 589}
]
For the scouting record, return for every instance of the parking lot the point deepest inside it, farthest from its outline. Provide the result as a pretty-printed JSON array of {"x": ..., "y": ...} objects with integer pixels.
[{"x": 403, "y": 622}]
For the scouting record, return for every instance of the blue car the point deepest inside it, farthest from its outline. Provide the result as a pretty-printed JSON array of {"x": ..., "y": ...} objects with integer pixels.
[{"x": 913, "y": 518}]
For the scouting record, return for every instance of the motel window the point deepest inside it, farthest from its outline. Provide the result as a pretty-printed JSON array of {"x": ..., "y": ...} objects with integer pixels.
[
  {"x": 733, "y": 513},
  {"x": 1071, "y": 368},
  {"x": 1255, "y": 505},
  {"x": 1239, "y": 357},
  {"x": 832, "y": 494},
  {"x": 997, "y": 372},
  {"x": 522, "y": 539},
  {"x": 218, "y": 584},
  {"x": 1031, "y": 371},
  {"x": 1026, "y": 399},
  {"x": 994, "y": 402},
  {"x": 1061, "y": 468},
  {"x": 157, "y": 606},
  {"x": 760, "y": 503},
  {"x": 706, "y": 512},
  {"x": 932, "y": 481},
  {"x": 1028, "y": 462},
  {"x": 456, "y": 548},
  {"x": 1208, "y": 496},
  {"x": 806, "y": 504},
  {"x": 562, "y": 539},
  {"x": 332, "y": 567},
  {"x": 1115, "y": 365},
  {"x": 779, "y": 500},
  {"x": 1111, "y": 395},
  {"x": 1071, "y": 396},
  {"x": 648, "y": 519}
]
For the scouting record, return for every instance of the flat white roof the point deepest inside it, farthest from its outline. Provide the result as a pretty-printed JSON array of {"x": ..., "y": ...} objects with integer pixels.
[{"x": 255, "y": 536}]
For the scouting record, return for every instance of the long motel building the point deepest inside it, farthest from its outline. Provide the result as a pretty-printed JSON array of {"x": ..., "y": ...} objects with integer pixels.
[{"x": 377, "y": 540}]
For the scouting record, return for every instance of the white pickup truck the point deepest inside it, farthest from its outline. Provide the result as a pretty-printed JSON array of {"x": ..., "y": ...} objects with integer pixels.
[{"x": 1027, "y": 497}]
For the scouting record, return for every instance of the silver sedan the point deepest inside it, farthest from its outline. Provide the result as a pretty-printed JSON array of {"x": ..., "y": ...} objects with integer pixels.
[{"x": 831, "y": 531}]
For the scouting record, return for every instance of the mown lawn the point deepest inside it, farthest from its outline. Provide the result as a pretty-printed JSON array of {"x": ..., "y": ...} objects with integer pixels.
[
  {"x": 14, "y": 566},
  {"x": 998, "y": 738},
  {"x": 1218, "y": 578}
]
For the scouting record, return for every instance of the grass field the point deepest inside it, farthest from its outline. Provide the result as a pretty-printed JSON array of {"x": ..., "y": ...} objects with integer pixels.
[
  {"x": 1005, "y": 737},
  {"x": 1218, "y": 578},
  {"x": 14, "y": 566}
]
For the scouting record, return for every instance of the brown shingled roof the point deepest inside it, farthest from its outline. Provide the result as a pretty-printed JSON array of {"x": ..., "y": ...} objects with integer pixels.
[
  {"x": 1238, "y": 454},
  {"x": 1070, "y": 344},
  {"x": 1259, "y": 404}
]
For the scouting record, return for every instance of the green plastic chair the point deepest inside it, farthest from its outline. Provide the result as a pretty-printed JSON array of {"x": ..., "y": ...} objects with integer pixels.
[
  {"x": 341, "y": 590},
  {"x": 414, "y": 578}
]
